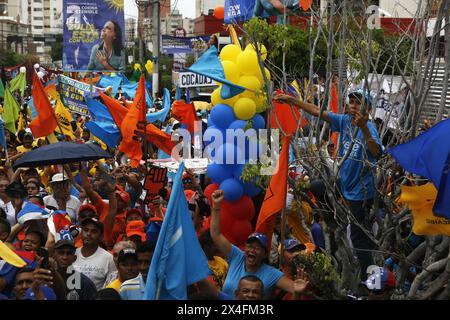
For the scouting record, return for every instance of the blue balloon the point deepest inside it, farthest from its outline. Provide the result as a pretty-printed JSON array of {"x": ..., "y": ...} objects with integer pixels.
[
  {"x": 212, "y": 134},
  {"x": 238, "y": 124},
  {"x": 210, "y": 122},
  {"x": 218, "y": 173},
  {"x": 251, "y": 190},
  {"x": 229, "y": 154},
  {"x": 222, "y": 115},
  {"x": 232, "y": 189},
  {"x": 237, "y": 172},
  {"x": 258, "y": 122}
]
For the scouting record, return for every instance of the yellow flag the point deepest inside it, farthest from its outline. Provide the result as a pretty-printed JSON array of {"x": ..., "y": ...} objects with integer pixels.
[
  {"x": 293, "y": 219},
  {"x": 234, "y": 37},
  {"x": 420, "y": 199},
  {"x": 10, "y": 256},
  {"x": 21, "y": 124},
  {"x": 64, "y": 118}
]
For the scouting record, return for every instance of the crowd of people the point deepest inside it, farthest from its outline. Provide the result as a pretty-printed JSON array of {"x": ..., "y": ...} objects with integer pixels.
[{"x": 113, "y": 230}]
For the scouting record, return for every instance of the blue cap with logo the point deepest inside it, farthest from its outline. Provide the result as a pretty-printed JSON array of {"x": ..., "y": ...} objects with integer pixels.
[
  {"x": 292, "y": 243},
  {"x": 260, "y": 237},
  {"x": 360, "y": 94}
]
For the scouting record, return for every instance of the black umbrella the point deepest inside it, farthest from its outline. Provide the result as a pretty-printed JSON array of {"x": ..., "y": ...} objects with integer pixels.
[{"x": 61, "y": 153}]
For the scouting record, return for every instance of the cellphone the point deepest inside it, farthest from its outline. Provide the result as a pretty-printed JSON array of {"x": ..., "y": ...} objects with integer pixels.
[{"x": 43, "y": 253}]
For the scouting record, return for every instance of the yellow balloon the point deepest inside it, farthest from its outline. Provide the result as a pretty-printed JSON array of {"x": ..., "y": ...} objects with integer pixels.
[
  {"x": 262, "y": 49},
  {"x": 231, "y": 71},
  {"x": 260, "y": 76},
  {"x": 149, "y": 66},
  {"x": 249, "y": 82},
  {"x": 244, "y": 109},
  {"x": 216, "y": 99},
  {"x": 230, "y": 53},
  {"x": 260, "y": 99},
  {"x": 247, "y": 62}
]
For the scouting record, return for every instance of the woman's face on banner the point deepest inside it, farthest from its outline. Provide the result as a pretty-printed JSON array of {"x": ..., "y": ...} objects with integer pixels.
[{"x": 108, "y": 32}]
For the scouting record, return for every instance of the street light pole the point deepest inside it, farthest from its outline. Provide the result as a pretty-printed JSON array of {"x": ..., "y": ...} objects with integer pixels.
[
  {"x": 156, "y": 38},
  {"x": 142, "y": 6}
]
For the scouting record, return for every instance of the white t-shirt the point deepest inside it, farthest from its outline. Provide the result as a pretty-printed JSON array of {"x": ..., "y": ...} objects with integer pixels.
[
  {"x": 97, "y": 267},
  {"x": 10, "y": 212},
  {"x": 72, "y": 206}
]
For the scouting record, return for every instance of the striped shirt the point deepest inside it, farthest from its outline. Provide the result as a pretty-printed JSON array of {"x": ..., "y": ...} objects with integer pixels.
[{"x": 133, "y": 289}]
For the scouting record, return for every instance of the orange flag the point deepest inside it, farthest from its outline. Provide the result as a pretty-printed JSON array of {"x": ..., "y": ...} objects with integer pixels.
[
  {"x": 286, "y": 118},
  {"x": 185, "y": 113},
  {"x": 129, "y": 145},
  {"x": 275, "y": 199},
  {"x": 305, "y": 4},
  {"x": 334, "y": 104},
  {"x": 118, "y": 111},
  {"x": 159, "y": 138},
  {"x": 45, "y": 122}
]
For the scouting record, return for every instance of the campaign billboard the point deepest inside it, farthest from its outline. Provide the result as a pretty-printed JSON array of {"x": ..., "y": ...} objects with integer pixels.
[
  {"x": 172, "y": 45},
  {"x": 94, "y": 35},
  {"x": 243, "y": 10}
]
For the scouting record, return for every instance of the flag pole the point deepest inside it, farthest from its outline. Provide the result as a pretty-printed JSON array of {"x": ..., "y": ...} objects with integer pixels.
[
  {"x": 283, "y": 234},
  {"x": 158, "y": 290}
]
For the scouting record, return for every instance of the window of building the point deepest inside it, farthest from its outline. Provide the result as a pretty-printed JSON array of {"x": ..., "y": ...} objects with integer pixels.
[
  {"x": 38, "y": 18},
  {"x": 37, "y": 9}
]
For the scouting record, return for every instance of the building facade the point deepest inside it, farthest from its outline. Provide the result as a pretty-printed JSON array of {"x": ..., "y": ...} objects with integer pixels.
[{"x": 203, "y": 6}]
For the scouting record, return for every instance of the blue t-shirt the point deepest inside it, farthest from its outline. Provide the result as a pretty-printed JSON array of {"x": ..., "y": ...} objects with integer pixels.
[
  {"x": 356, "y": 176},
  {"x": 236, "y": 270}
]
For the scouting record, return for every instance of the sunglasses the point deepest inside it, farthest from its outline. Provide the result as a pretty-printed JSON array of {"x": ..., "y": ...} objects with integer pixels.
[{"x": 187, "y": 181}]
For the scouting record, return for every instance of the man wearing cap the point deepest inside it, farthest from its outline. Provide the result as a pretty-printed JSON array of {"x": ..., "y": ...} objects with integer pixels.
[
  {"x": 133, "y": 289},
  {"x": 78, "y": 286},
  {"x": 61, "y": 198},
  {"x": 248, "y": 262},
  {"x": 135, "y": 232},
  {"x": 358, "y": 170},
  {"x": 127, "y": 267},
  {"x": 94, "y": 262}
]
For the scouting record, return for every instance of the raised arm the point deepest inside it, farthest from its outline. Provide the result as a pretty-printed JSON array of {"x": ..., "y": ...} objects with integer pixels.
[
  {"x": 219, "y": 239},
  {"x": 307, "y": 107}
]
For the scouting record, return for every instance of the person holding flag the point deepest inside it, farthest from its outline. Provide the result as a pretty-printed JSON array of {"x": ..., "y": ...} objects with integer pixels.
[
  {"x": 248, "y": 262},
  {"x": 362, "y": 149}
]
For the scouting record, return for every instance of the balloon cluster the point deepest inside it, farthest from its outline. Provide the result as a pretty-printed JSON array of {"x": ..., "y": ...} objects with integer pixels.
[{"x": 240, "y": 112}]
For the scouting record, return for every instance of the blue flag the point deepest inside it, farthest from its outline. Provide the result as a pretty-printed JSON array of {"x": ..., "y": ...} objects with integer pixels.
[
  {"x": 209, "y": 65},
  {"x": 114, "y": 82},
  {"x": 178, "y": 261},
  {"x": 31, "y": 211},
  {"x": 428, "y": 155},
  {"x": 2, "y": 135},
  {"x": 103, "y": 125},
  {"x": 129, "y": 89},
  {"x": 161, "y": 114}
]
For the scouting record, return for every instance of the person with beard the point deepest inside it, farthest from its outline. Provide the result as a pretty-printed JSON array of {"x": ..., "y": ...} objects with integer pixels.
[{"x": 251, "y": 261}]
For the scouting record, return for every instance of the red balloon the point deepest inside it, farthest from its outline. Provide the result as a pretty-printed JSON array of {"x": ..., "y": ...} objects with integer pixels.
[
  {"x": 241, "y": 230},
  {"x": 210, "y": 188},
  {"x": 243, "y": 209},
  {"x": 219, "y": 12}
]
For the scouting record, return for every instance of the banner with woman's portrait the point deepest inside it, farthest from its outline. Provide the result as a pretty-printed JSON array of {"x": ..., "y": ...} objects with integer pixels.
[{"x": 94, "y": 35}]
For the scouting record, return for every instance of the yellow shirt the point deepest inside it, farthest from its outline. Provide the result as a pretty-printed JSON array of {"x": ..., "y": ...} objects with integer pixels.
[
  {"x": 22, "y": 149},
  {"x": 420, "y": 200},
  {"x": 115, "y": 285}
]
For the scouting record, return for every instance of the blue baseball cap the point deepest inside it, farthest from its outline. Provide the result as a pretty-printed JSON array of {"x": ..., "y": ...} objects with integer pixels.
[
  {"x": 360, "y": 94},
  {"x": 260, "y": 237},
  {"x": 292, "y": 243}
]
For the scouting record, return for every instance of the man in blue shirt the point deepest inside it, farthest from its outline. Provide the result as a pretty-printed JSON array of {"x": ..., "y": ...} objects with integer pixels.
[{"x": 358, "y": 170}]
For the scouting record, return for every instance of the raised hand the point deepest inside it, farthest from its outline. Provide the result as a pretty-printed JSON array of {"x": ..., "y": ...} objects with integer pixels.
[
  {"x": 301, "y": 281},
  {"x": 217, "y": 198}
]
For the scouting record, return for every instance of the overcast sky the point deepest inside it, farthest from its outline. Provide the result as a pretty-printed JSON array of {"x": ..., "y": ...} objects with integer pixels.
[{"x": 186, "y": 7}]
